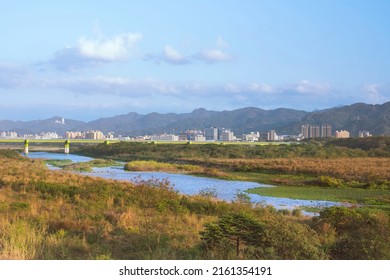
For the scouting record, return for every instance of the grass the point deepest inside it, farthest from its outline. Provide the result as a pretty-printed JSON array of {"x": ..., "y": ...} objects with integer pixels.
[
  {"x": 67, "y": 164},
  {"x": 47, "y": 214},
  {"x": 151, "y": 165},
  {"x": 58, "y": 162},
  {"x": 351, "y": 195}
]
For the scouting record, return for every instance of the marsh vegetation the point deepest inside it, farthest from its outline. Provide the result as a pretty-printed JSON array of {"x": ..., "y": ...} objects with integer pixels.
[{"x": 61, "y": 215}]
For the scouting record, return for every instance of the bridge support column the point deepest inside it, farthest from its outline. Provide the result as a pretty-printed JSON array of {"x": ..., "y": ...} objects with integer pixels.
[
  {"x": 26, "y": 147},
  {"x": 67, "y": 144}
]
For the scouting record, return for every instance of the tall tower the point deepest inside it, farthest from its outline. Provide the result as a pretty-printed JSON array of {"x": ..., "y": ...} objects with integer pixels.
[{"x": 305, "y": 131}]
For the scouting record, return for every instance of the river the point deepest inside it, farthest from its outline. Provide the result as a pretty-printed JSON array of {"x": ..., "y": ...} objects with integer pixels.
[{"x": 191, "y": 185}]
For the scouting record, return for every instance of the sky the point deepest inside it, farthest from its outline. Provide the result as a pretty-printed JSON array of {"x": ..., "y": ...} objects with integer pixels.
[{"x": 90, "y": 59}]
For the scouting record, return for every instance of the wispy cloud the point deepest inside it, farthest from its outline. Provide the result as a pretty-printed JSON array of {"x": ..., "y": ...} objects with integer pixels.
[
  {"x": 173, "y": 56},
  {"x": 114, "y": 86},
  {"x": 261, "y": 87},
  {"x": 221, "y": 43},
  {"x": 214, "y": 55},
  {"x": 376, "y": 93},
  {"x": 306, "y": 87},
  {"x": 153, "y": 93},
  {"x": 90, "y": 52},
  {"x": 218, "y": 54},
  {"x": 169, "y": 55}
]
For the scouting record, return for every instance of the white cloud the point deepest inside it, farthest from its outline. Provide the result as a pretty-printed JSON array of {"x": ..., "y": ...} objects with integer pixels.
[
  {"x": 116, "y": 48},
  {"x": 173, "y": 56},
  {"x": 90, "y": 52},
  {"x": 214, "y": 55}
]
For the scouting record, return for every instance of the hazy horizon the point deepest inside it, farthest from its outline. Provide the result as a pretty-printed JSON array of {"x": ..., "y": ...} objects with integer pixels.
[{"x": 91, "y": 59}]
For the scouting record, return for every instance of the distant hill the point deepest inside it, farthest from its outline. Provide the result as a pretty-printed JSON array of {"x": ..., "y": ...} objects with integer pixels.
[
  {"x": 32, "y": 127},
  {"x": 360, "y": 116}
]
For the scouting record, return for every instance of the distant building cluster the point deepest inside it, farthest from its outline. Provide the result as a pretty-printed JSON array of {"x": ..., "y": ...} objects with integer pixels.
[
  {"x": 209, "y": 134},
  {"x": 212, "y": 134},
  {"x": 8, "y": 135},
  {"x": 40, "y": 136}
]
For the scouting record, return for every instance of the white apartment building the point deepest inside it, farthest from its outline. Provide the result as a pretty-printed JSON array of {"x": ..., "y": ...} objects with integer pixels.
[
  {"x": 251, "y": 137},
  {"x": 165, "y": 137}
]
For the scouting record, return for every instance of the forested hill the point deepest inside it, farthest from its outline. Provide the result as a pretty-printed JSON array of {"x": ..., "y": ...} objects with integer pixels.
[{"x": 359, "y": 116}]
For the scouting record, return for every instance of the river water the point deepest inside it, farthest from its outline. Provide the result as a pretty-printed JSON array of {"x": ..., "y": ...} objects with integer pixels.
[{"x": 191, "y": 185}]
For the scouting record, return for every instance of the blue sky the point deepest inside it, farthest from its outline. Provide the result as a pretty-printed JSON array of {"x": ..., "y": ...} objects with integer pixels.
[{"x": 90, "y": 59}]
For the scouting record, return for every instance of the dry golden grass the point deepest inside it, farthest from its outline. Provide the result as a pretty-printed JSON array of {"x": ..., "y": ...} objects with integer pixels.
[
  {"x": 59, "y": 215},
  {"x": 359, "y": 169}
]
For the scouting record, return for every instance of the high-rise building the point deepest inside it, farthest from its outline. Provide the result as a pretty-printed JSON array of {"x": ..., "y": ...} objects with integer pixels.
[
  {"x": 305, "y": 131},
  {"x": 314, "y": 131},
  {"x": 272, "y": 135},
  {"x": 326, "y": 131},
  {"x": 211, "y": 134}
]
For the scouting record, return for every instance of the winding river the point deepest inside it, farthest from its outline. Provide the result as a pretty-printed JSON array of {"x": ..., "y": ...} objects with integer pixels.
[{"x": 190, "y": 185}]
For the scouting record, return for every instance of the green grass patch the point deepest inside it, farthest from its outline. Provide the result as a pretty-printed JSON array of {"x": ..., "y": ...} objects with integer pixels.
[
  {"x": 151, "y": 165},
  {"x": 353, "y": 195},
  {"x": 58, "y": 162},
  {"x": 84, "y": 166}
]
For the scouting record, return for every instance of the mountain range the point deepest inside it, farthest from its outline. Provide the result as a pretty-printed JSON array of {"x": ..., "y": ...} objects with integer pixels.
[{"x": 359, "y": 116}]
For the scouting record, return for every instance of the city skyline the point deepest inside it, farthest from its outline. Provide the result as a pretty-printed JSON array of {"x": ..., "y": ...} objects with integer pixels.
[{"x": 92, "y": 59}]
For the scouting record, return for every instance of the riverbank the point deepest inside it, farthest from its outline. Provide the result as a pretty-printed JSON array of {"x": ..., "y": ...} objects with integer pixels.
[
  {"x": 282, "y": 197},
  {"x": 47, "y": 214},
  {"x": 180, "y": 179},
  {"x": 337, "y": 170}
]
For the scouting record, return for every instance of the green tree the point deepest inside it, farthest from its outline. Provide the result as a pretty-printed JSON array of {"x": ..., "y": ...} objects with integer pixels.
[
  {"x": 361, "y": 234},
  {"x": 232, "y": 232}
]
